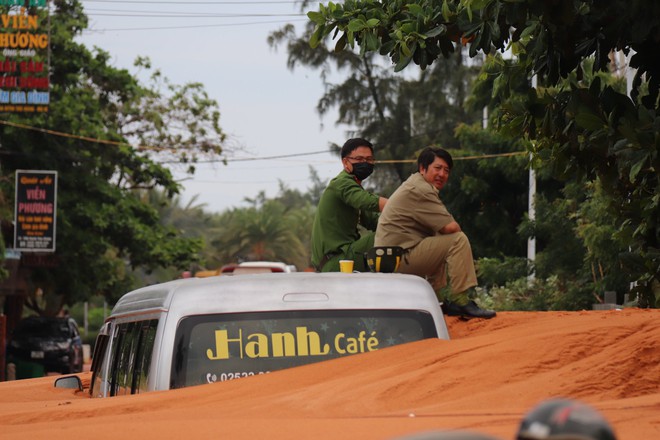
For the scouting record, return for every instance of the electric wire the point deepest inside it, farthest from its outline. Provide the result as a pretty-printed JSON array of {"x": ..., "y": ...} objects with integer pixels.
[
  {"x": 165, "y": 14},
  {"x": 196, "y": 26},
  {"x": 160, "y": 14},
  {"x": 244, "y": 159},
  {"x": 157, "y": 2}
]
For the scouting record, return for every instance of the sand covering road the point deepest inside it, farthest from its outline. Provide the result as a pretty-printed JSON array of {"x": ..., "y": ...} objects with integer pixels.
[{"x": 483, "y": 380}]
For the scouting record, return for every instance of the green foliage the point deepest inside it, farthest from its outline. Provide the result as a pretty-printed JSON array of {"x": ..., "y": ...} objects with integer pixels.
[
  {"x": 267, "y": 231},
  {"x": 596, "y": 227},
  {"x": 104, "y": 227},
  {"x": 598, "y": 133},
  {"x": 3, "y": 272},
  {"x": 559, "y": 250},
  {"x": 488, "y": 197},
  {"x": 495, "y": 272},
  {"x": 94, "y": 318},
  {"x": 582, "y": 128},
  {"x": 278, "y": 229},
  {"x": 189, "y": 221},
  {"x": 550, "y": 293},
  {"x": 551, "y": 37},
  {"x": 399, "y": 116}
]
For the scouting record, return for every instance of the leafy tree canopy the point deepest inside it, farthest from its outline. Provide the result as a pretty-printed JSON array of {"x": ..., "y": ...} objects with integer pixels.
[
  {"x": 104, "y": 226},
  {"x": 589, "y": 130}
]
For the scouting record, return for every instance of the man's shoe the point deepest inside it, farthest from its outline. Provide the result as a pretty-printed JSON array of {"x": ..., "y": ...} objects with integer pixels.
[{"x": 470, "y": 310}]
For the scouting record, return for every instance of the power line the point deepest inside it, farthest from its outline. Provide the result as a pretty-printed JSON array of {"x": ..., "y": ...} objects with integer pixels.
[
  {"x": 191, "y": 26},
  {"x": 250, "y": 159},
  {"x": 160, "y": 14},
  {"x": 380, "y": 162},
  {"x": 156, "y": 2},
  {"x": 178, "y": 14},
  {"x": 143, "y": 147},
  {"x": 246, "y": 182},
  {"x": 75, "y": 136},
  {"x": 243, "y": 159},
  {"x": 481, "y": 156}
]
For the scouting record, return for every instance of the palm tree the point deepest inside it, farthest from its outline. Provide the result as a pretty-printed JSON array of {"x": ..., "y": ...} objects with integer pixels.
[{"x": 261, "y": 233}]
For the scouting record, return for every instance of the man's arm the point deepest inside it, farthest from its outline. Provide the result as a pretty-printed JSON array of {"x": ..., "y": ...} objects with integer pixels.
[{"x": 450, "y": 228}]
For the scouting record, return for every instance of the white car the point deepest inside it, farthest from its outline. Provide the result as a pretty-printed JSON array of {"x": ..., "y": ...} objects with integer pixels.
[{"x": 248, "y": 267}]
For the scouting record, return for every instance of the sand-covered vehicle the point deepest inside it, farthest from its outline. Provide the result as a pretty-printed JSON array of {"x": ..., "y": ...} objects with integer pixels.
[{"x": 203, "y": 330}]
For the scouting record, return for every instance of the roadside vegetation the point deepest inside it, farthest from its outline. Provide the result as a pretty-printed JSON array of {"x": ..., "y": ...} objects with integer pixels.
[{"x": 594, "y": 151}]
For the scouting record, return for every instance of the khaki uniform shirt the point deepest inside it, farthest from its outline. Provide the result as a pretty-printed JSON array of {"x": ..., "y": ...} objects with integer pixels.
[{"x": 413, "y": 213}]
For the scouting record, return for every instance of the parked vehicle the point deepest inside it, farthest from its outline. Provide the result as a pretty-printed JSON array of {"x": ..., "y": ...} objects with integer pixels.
[
  {"x": 248, "y": 267},
  {"x": 251, "y": 267},
  {"x": 52, "y": 342},
  {"x": 201, "y": 330}
]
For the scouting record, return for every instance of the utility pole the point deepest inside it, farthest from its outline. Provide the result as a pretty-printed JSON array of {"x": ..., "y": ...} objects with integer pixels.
[
  {"x": 531, "y": 209},
  {"x": 411, "y": 106}
]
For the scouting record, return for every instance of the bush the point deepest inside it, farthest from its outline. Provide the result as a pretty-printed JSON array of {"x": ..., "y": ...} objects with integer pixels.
[
  {"x": 94, "y": 318},
  {"x": 497, "y": 272},
  {"x": 539, "y": 294}
]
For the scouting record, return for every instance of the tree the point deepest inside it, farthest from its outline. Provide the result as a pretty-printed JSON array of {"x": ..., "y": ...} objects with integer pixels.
[
  {"x": 400, "y": 116},
  {"x": 488, "y": 196},
  {"x": 104, "y": 228},
  {"x": 593, "y": 131},
  {"x": 189, "y": 220},
  {"x": 266, "y": 231}
]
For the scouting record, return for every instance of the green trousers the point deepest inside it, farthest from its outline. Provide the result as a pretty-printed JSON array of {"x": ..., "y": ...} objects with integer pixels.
[{"x": 354, "y": 251}]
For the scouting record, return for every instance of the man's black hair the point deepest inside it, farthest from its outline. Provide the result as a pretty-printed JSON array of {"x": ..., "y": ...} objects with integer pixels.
[
  {"x": 352, "y": 144},
  {"x": 428, "y": 155}
]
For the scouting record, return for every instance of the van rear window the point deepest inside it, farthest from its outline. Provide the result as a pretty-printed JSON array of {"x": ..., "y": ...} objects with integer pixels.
[{"x": 219, "y": 347}]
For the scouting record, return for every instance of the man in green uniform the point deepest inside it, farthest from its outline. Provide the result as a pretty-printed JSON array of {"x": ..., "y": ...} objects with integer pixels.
[
  {"x": 435, "y": 247},
  {"x": 344, "y": 204}
]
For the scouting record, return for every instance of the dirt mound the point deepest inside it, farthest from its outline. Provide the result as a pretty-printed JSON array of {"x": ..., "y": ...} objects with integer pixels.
[{"x": 485, "y": 379}]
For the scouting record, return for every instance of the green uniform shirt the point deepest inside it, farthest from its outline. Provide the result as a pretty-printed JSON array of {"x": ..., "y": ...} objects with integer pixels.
[{"x": 343, "y": 205}]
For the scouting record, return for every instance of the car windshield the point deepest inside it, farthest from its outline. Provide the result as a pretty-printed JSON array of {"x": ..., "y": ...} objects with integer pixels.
[
  {"x": 43, "y": 327},
  {"x": 220, "y": 347}
]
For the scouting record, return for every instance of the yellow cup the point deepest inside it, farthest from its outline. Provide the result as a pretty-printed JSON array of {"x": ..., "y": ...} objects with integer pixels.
[{"x": 346, "y": 266}]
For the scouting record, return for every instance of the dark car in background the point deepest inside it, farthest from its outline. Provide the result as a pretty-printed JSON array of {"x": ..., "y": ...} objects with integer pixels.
[{"x": 52, "y": 342}]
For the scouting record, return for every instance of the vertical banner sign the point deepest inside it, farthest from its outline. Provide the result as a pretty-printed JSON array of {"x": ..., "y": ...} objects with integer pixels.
[
  {"x": 35, "y": 211},
  {"x": 24, "y": 56}
]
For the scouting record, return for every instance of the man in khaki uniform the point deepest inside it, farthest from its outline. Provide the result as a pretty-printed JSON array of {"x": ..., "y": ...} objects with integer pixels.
[{"x": 435, "y": 247}]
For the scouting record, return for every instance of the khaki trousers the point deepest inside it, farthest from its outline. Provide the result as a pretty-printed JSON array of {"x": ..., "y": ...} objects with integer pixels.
[{"x": 440, "y": 256}]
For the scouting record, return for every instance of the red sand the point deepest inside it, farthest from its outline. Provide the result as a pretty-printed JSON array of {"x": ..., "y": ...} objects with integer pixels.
[{"x": 483, "y": 380}]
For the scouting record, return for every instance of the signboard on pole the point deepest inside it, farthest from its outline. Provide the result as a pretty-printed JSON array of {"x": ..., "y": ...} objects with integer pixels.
[
  {"x": 24, "y": 56},
  {"x": 35, "y": 211}
]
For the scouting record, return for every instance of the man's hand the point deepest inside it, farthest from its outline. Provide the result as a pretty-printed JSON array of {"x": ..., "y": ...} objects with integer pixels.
[
  {"x": 381, "y": 203},
  {"x": 450, "y": 228}
]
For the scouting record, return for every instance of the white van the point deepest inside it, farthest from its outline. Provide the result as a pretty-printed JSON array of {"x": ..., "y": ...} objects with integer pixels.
[{"x": 202, "y": 330}]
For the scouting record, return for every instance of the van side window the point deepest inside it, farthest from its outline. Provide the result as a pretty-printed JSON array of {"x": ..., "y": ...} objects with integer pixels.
[
  {"x": 131, "y": 359},
  {"x": 98, "y": 377},
  {"x": 120, "y": 359},
  {"x": 143, "y": 358}
]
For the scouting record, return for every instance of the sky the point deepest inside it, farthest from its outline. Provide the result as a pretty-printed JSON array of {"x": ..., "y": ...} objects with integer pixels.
[{"x": 266, "y": 109}]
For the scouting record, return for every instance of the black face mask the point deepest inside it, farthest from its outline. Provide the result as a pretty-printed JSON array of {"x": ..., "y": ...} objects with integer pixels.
[{"x": 362, "y": 170}]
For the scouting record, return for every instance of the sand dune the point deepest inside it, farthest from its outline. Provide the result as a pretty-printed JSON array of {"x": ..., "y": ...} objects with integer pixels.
[{"x": 483, "y": 380}]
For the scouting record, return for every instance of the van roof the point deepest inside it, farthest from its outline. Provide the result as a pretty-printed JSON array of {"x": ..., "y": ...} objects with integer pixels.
[{"x": 262, "y": 292}]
